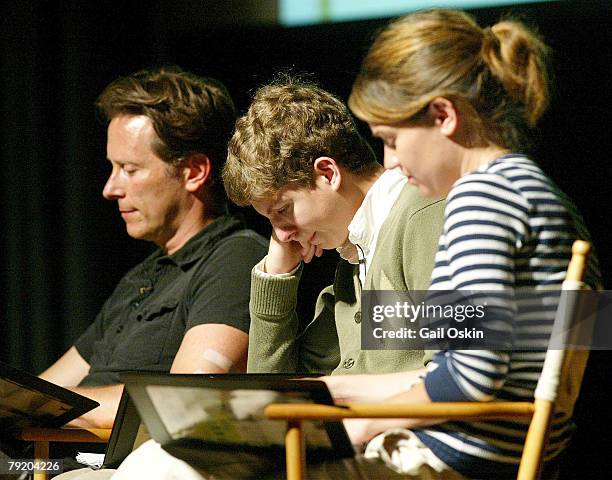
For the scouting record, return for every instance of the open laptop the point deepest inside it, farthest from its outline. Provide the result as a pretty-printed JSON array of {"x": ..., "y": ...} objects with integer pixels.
[
  {"x": 127, "y": 434},
  {"x": 217, "y": 420},
  {"x": 29, "y": 401}
]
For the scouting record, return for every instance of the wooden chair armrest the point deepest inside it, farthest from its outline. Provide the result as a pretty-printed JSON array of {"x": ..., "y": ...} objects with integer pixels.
[
  {"x": 41, "y": 437},
  {"x": 450, "y": 410},
  {"x": 89, "y": 435}
]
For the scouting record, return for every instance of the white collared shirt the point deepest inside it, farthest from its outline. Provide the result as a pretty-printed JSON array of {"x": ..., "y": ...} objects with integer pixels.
[{"x": 374, "y": 210}]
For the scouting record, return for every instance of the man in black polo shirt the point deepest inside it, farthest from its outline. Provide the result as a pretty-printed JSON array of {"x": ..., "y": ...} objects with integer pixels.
[{"x": 185, "y": 308}]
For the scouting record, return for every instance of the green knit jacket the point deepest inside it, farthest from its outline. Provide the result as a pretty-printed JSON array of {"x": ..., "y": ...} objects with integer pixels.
[{"x": 331, "y": 343}]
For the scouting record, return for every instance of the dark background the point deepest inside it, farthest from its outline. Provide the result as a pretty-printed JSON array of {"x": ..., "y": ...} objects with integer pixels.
[{"x": 63, "y": 247}]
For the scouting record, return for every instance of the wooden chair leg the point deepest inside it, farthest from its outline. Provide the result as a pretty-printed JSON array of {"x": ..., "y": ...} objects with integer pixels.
[
  {"x": 295, "y": 451},
  {"x": 531, "y": 461},
  {"x": 41, "y": 454}
]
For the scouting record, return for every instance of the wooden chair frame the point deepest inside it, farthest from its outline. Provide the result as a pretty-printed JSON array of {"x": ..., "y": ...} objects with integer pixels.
[
  {"x": 540, "y": 411},
  {"x": 42, "y": 437}
]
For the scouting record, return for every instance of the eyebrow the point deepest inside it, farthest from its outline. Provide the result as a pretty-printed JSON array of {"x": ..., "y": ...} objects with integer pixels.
[{"x": 122, "y": 162}]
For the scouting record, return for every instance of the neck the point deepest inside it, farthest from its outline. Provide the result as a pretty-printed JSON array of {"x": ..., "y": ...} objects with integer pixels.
[
  {"x": 188, "y": 225},
  {"x": 474, "y": 158},
  {"x": 361, "y": 184}
]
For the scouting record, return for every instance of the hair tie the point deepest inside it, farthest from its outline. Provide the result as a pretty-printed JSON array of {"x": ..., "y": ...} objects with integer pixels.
[{"x": 488, "y": 35}]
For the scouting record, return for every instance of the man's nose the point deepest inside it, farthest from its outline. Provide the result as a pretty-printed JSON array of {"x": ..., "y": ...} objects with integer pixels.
[
  {"x": 113, "y": 189},
  {"x": 285, "y": 234}
]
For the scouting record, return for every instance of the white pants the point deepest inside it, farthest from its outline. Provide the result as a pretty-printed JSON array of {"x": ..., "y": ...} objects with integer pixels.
[{"x": 396, "y": 454}]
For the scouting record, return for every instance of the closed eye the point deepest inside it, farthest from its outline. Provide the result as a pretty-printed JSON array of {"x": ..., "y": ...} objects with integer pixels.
[
  {"x": 129, "y": 169},
  {"x": 284, "y": 209}
]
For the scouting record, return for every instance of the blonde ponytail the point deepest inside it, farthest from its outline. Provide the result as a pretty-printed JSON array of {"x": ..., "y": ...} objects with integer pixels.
[{"x": 518, "y": 58}]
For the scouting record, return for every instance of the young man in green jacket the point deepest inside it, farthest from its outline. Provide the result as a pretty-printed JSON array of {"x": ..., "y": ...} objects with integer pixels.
[{"x": 298, "y": 159}]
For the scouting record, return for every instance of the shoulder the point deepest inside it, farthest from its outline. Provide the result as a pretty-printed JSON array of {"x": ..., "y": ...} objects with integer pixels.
[
  {"x": 244, "y": 239},
  {"x": 231, "y": 259},
  {"x": 411, "y": 203},
  {"x": 499, "y": 185},
  {"x": 239, "y": 247},
  {"x": 412, "y": 210}
]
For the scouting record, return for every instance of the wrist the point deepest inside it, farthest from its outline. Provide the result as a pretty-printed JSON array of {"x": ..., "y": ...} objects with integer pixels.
[{"x": 276, "y": 266}]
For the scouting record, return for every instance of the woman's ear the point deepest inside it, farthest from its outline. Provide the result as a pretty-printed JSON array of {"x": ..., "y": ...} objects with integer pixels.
[
  {"x": 327, "y": 170},
  {"x": 445, "y": 115},
  {"x": 197, "y": 172}
]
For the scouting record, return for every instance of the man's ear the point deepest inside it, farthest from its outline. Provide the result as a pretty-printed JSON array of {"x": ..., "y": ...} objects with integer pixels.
[
  {"x": 197, "y": 171},
  {"x": 327, "y": 170},
  {"x": 444, "y": 115}
]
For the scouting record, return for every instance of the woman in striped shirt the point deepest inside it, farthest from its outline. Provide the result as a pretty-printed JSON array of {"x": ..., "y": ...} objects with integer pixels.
[{"x": 454, "y": 105}]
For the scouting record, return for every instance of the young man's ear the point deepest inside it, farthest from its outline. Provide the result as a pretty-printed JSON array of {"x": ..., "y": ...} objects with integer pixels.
[
  {"x": 444, "y": 115},
  {"x": 327, "y": 170},
  {"x": 196, "y": 171}
]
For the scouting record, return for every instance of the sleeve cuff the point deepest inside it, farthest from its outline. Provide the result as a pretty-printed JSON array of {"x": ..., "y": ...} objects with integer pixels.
[
  {"x": 274, "y": 295},
  {"x": 440, "y": 383}
]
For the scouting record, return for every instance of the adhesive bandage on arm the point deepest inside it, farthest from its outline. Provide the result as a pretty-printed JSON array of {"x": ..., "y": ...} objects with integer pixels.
[{"x": 217, "y": 359}]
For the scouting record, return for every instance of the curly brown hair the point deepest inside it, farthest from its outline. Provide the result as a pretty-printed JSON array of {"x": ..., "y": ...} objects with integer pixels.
[{"x": 290, "y": 123}]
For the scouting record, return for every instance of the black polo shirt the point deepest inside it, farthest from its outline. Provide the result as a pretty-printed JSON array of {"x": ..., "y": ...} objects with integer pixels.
[{"x": 142, "y": 324}]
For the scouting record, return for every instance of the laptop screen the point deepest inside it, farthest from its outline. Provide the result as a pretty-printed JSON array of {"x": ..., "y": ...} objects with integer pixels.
[
  {"x": 29, "y": 401},
  {"x": 229, "y": 417},
  {"x": 226, "y": 411}
]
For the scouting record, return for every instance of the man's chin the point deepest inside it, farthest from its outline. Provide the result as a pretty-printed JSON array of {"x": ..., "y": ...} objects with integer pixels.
[{"x": 136, "y": 233}]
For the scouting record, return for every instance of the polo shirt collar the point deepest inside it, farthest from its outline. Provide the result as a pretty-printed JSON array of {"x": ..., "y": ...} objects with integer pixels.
[{"x": 196, "y": 246}]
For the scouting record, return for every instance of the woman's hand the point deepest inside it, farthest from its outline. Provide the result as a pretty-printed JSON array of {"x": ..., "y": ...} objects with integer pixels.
[{"x": 359, "y": 431}]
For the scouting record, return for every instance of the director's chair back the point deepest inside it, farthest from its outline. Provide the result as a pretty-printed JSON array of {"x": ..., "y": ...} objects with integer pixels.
[{"x": 556, "y": 385}]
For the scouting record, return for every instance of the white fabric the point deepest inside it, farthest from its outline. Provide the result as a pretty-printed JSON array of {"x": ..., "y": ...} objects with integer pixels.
[
  {"x": 404, "y": 456},
  {"x": 376, "y": 205},
  {"x": 402, "y": 451},
  {"x": 550, "y": 379},
  {"x": 150, "y": 461},
  {"x": 94, "y": 460},
  {"x": 86, "y": 474}
]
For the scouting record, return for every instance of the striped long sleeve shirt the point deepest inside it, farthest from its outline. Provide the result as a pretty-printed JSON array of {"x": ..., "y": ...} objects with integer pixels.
[{"x": 506, "y": 227}]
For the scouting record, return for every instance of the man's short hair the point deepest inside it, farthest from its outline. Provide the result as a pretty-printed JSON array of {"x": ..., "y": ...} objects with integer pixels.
[
  {"x": 290, "y": 124},
  {"x": 190, "y": 114}
]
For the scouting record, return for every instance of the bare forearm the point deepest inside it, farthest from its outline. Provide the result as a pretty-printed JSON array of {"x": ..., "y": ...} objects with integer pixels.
[
  {"x": 370, "y": 388},
  {"x": 363, "y": 430},
  {"x": 103, "y": 416},
  {"x": 68, "y": 370}
]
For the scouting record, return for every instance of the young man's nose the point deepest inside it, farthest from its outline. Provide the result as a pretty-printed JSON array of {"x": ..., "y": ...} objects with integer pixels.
[{"x": 285, "y": 234}]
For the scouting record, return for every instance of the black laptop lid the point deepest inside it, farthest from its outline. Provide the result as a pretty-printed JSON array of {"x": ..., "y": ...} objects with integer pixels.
[
  {"x": 225, "y": 412},
  {"x": 125, "y": 431},
  {"x": 29, "y": 401}
]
